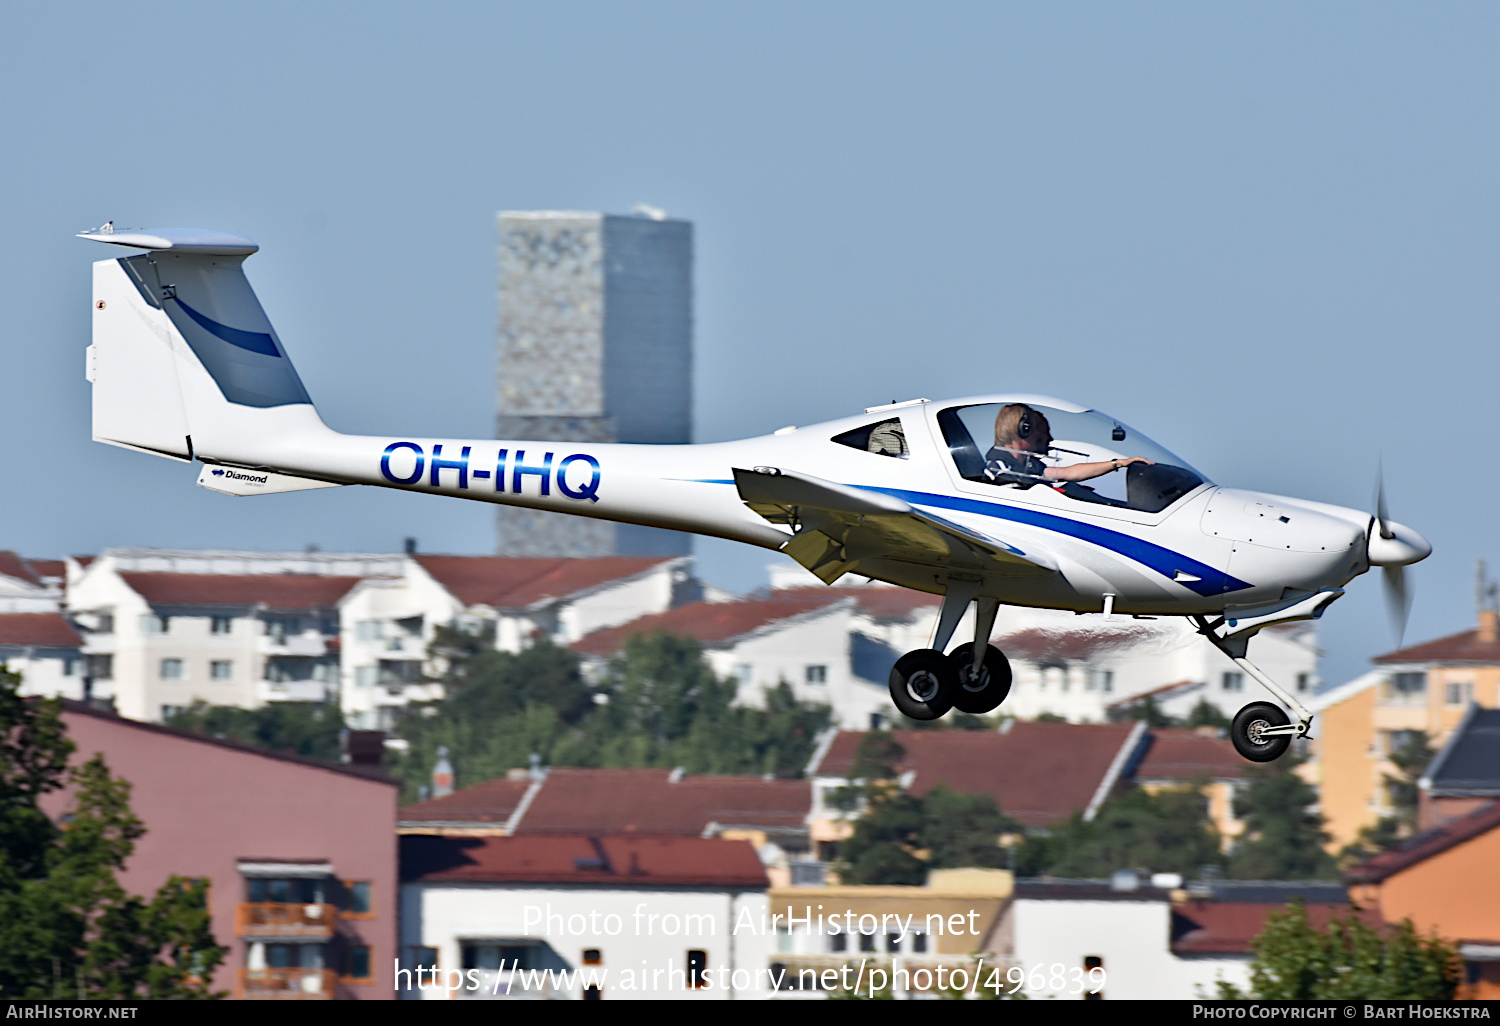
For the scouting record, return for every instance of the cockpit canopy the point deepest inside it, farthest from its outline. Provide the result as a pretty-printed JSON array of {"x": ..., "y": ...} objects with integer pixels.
[{"x": 1078, "y": 436}]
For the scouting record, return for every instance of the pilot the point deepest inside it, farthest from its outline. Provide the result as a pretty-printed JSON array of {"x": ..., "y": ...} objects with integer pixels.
[{"x": 1022, "y": 437}]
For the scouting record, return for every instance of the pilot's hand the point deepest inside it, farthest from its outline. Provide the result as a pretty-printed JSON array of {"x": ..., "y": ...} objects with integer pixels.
[{"x": 1128, "y": 460}]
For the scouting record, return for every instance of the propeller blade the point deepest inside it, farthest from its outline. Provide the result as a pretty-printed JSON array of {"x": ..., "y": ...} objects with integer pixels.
[
  {"x": 1397, "y": 600},
  {"x": 1382, "y": 517}
]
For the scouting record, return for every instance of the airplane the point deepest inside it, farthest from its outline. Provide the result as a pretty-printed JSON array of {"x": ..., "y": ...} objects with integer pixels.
[{"x": 1019, "y": 499}]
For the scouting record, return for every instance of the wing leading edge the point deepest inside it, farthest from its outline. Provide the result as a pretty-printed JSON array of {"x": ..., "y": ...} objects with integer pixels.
[{"x": 839, "y": 526}]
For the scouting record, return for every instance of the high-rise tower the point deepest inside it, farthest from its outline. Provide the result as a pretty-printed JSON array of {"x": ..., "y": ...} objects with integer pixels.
[{"x": 596, "y": 345}]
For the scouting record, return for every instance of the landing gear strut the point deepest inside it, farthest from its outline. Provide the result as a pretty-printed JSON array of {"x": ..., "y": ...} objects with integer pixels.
[
  {"x": 1261, "y": 732},
  {"x": 975, "y": 678}
]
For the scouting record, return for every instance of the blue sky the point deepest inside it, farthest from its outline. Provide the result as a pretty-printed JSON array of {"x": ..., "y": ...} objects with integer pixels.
[{"x": 1265, "y": 235}]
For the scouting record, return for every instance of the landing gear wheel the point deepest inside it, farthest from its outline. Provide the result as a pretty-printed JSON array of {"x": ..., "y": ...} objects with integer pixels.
[
  {"x": 922, "y": 684},
  {"x": 1247, "y": 732},
  {"x": 981, "y": 694}
]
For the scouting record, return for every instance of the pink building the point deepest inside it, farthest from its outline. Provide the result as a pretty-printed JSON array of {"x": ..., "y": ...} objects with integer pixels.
[{"x": 300, "y": 854}]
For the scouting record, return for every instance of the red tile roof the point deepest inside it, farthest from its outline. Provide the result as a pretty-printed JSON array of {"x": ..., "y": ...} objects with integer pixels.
[
  {"x": 1038, "y": 773},
  {"x": 12, "y": 565},
  {"x": 1228, "y": 928},
  {"x": 1183, "y": 755},
  {"x": 618, "y": 861},
  {"x": 48, "y": 567},
  {"x": 275, "y": 591},
  {"x": 1456, "y": 648},
  {"x": 610, "y": 801},
  {"x": 503, "y": 582},
  {"x": 711, "y": 621},
  {"x": 51, "y": 629},
  {"x": 490, "y": 802},
  {"x": 1428, "y": 843}
]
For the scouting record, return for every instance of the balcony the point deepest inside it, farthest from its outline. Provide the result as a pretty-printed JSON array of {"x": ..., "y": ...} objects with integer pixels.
[
  {"x": 280, "y": 920},
  {"x": 308, "y": 643},
  {"x": 285, "y": 984},
  {"x": 293, "y": 691}
]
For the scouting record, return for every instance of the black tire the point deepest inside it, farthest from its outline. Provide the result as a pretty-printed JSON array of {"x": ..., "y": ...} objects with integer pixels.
[
  {"x": 922, "y": 684},
  {"x": 1246, "y": 728},
  {"x": 989, "y": 690}
]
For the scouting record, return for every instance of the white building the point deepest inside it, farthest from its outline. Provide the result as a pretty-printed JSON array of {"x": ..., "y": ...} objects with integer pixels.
[
  {"x": 389, "y": 622},
  {"x": 832, "y": 646},
  {"x": 36, "y": 638},
  {"x": 166, "y": 628},
  {"x": 623, "y": 916}
]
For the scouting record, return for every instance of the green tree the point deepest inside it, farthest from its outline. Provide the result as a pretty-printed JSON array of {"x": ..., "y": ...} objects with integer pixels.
[
  {"x": 1206, "y": 714},
  {"x": 658, "y": 703},
  {"x": 67, "y": 927},
  {"x": 1349, "y": 960},
  {"x": 1284, "y": 837},
  {"x": 1167, "y": 832},
  {"x": 312, "y": 729}
]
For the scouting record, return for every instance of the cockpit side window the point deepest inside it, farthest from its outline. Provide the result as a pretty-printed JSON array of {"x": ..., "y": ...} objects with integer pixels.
[{"x": 886, "y": 438}]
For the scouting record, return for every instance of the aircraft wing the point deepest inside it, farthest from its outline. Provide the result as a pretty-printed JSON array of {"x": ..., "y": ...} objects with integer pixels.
[{"x": 839, "y": 526}]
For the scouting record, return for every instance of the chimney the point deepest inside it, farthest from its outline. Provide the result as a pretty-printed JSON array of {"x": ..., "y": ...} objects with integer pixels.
[
  {"x": 1489, "y": 626},
  {"x": 411, "y": 546},
  {"x": 442, "y": 774}
]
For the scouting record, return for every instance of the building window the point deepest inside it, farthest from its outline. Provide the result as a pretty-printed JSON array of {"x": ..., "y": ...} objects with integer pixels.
[
  {"x": 171, "y": 669},
  {"x": 867, "y": 942},
  {"x": 357, "y": 964},
  {"x": 816, "y": 675},
  {"x": 368, "y": 630},
  {"x": 221, "y": 669},
  {"x": 592, "y": 956},
  {"x": 1100, "y": 680},
  {"x": 919, "y": 943},
  {"x": 70, "y": 665},
  {"x": 221, "y": 625},
  {"x": 1406, "y": 688},
  {"x": 893, "y": 943},
  {"x": 697, "y": 966},
  {"x": 1460, "y": 692},
  {"x": 360, "y": 899},
  {"x": 169, "y": 711},
  {"x": 838, "y": 942},
  {"x": 284, "y": 891},
  {"x": 99, "y": 667},
  {"x": 364, "y": 676},
  {"x": 744, "y": 673},
  {"x": 1302, "y": 681},
  {"x": 1234, "y": 682},
  {"x": 1090, "y": 963},
  {"x": 104, "y": 623},
  {"x": 153, "y": 624}
]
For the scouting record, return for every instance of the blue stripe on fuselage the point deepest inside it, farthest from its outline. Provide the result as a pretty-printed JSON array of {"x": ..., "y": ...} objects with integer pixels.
[
  {"x": 1163, "y": 560},
  {"x": 1211, "y": 581}
]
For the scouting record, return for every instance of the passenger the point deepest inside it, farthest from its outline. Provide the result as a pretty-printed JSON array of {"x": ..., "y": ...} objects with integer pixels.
[{"x": 1022, "y": 437}]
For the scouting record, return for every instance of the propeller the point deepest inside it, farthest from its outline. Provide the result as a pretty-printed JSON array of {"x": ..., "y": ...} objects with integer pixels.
[{"x": 1391, "y": 551}]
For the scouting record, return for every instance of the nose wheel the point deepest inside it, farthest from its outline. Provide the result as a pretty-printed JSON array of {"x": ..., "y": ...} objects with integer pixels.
[{"x": 1261, "y": 732}]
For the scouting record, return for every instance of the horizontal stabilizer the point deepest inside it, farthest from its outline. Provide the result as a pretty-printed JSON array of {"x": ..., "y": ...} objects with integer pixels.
[{"x": 237, "y": 481}]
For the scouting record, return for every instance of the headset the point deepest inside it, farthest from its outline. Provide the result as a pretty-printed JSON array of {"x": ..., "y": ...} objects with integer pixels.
[{"x": 1023, "y": 428}]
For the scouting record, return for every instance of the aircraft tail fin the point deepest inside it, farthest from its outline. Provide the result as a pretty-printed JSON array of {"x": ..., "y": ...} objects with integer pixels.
[{"x": 184, "y": 361}]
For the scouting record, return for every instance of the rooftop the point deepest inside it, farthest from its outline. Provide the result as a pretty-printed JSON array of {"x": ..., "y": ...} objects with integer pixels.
[
  {"x": 1464, "y": 647},
  {"x": 712, "y": 622},
  {"x": 274, "y": 591},
  {"x": 503, "y": 582},
  {"x": 1229, "y": 927},
  {"x": 1179, "y": 754},
  {"x": 1038, "y": 773},
  {"x": 583, "y": 859},
  {"x": 12, "y": 565},
  {"x": 47, "y": 629},
  {"x": 1428, "y": 843},
  {"x": 1469, "y": 764},
  {"x": 618, "y": 801}
]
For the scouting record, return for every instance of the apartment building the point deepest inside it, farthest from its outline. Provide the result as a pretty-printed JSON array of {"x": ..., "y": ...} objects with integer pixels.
[
  {"x": 1423, "y": 689},
  {"x": 300, "y": 854}
]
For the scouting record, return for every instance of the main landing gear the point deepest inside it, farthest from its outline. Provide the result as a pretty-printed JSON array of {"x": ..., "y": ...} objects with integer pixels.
[{"x": 973, "y": 678}]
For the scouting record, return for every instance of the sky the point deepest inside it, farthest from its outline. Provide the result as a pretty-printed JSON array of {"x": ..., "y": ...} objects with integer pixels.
[{"x": 1265, "y": 235}]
